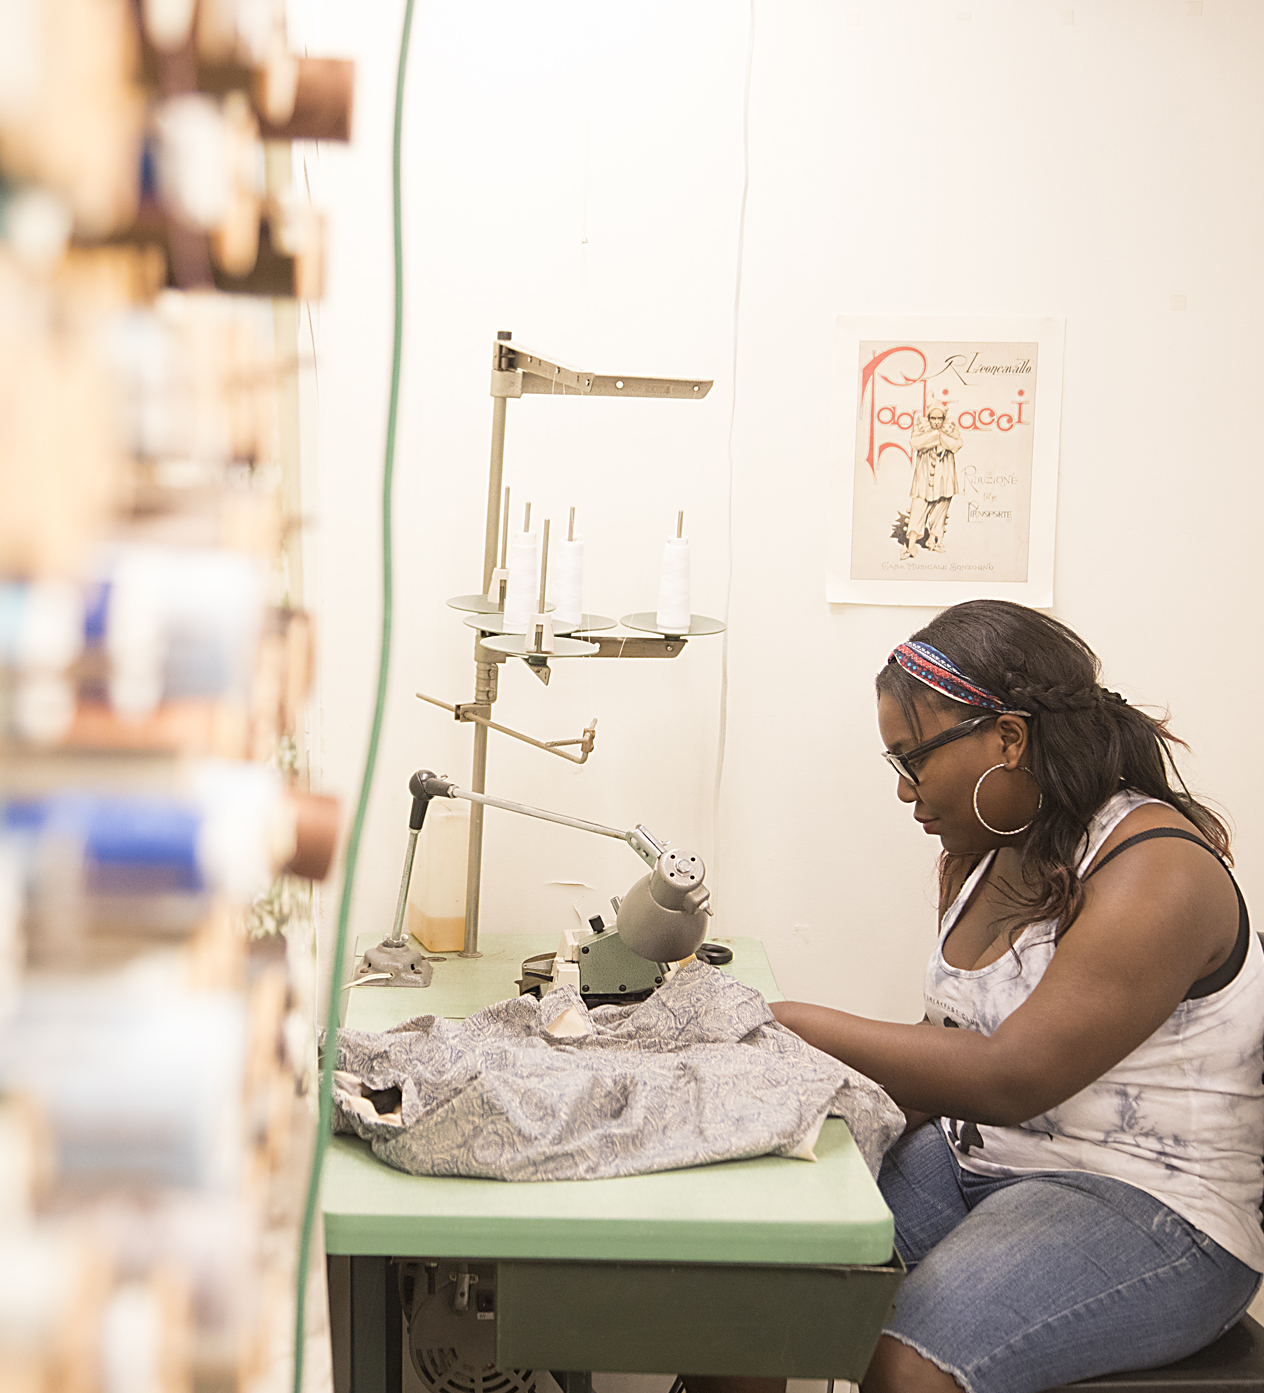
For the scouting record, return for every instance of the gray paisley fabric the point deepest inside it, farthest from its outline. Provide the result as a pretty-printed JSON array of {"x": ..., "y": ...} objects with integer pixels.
[{"x": 548, "y": 1090}]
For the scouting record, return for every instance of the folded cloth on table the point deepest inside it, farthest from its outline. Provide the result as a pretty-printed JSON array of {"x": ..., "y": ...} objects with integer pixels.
[{"x": 549, "y": 1090}]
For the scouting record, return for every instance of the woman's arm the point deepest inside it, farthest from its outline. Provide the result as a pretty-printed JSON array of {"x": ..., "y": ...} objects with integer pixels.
[
  {"x": 1150, "y": 920},
  {"x": 924, "y": 1068}
]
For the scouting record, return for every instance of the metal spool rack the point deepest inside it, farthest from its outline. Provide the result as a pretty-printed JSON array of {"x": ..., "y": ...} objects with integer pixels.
[{"x": 517, "y": 372}]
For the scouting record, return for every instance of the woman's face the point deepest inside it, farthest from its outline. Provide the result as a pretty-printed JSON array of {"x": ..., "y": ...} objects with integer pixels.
[{"x": 943, "y": 798}]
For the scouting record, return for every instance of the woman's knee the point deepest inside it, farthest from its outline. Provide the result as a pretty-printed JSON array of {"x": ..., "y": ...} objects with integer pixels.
[{"x": 898, "y": 1368}]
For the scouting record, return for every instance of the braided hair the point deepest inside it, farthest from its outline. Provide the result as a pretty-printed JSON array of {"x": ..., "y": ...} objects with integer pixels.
[{"x": 1086, "y": 742}]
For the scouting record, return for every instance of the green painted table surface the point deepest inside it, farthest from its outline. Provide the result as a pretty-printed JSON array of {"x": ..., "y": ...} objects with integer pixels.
[{"x": 769, "y": 1210}]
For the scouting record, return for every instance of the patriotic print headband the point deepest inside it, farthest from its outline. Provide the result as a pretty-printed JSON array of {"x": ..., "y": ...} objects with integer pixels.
[{"x": 930, "y": 666}]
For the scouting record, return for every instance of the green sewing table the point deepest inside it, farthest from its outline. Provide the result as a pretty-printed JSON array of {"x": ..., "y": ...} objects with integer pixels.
[{"x": 771, "y": 1266}]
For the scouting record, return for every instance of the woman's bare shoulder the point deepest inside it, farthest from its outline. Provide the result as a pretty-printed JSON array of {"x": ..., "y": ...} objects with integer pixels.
[
  {"x": 1144, "y": 819},
  {"x": 1170, "y": 885}
]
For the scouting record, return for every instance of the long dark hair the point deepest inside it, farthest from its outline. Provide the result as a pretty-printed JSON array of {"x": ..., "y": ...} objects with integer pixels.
[{"x": 1086, "y": 743}]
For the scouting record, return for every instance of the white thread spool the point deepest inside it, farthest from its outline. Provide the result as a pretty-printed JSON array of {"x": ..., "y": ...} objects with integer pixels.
[
  {"x": 524, "y": 581},
  {"x": 566, "y": 576},
  {"x": 193, "y": 159},
  {"x": 674, "y": 604}
]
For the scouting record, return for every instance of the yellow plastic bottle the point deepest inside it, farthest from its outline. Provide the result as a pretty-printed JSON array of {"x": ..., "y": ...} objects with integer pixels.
[{"x": 436, "y": 894}]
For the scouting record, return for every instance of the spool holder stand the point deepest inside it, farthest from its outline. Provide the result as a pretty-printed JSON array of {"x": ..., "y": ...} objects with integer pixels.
[{"x": 517, "y": 372}]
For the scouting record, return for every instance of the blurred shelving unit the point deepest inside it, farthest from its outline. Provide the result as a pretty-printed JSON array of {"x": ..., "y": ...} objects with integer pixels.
[{"x": 157, "y": 838}]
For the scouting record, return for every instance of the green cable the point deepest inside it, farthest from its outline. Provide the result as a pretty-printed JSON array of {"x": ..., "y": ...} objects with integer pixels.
[{"x": 370, "y": 763}]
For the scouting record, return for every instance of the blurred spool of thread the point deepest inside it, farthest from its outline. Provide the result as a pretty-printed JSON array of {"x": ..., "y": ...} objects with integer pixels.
[
  {"x": 674, "y": 603},
  {"x": 194, "y": 160},
  {"x": 235, "y": 239},
  {"x": 63, "y": 472},
  {"x": 248, "y": 825},
  {"x": 36, "y": 224},
  {"x": 228, "y": 834},
  {"x": 41, "y": 624},
  {"x": 146, "y": 1333},
  {"x": 305, "y": 98},
  {"x": 168, "y": 23},
  {"x": 181, "y": 623},
  {"x": 523, "y": 594},
  {"x": 26, "y": 1154},
  {"x": 210, "y": 1237},
  {"x": 566, "y": 574},
  {"x": 12, "y": 904},
  {"x": 43, "y": 708},
  {"x": 73, "y": 119},
  {"x": 41, "y": 635},
  {"x": 79, "y": 1051},
  {"x": 45, "y": 1270},
  {"x": 194, "y": 379},
  {"x": 315, "y": 835}
]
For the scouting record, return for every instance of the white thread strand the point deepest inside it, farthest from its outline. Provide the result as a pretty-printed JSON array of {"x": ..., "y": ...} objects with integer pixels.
[{"x": 737, "y": 308}]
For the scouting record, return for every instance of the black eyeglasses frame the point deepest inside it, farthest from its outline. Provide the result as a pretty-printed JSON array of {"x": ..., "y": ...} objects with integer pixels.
[{"x": 903, "y": 763}]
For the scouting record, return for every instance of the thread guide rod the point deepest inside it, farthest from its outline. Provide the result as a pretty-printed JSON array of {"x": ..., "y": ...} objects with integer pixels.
[
  {"x": 544, "y": 564},
  {"x": 503, "y": 587}
]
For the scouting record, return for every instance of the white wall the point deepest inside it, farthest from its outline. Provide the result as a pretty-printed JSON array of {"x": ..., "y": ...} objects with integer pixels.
[{"x": 572, "y": 173}]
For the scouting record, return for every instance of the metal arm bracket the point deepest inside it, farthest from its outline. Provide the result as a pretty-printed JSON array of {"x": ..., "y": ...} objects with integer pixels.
[
  {"x": 518, "y": 371},
  {"x": 477, "y": 712}
]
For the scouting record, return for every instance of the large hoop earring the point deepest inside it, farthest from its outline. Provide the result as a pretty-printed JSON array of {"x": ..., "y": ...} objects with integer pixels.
[{"x": 996, "y": 831}]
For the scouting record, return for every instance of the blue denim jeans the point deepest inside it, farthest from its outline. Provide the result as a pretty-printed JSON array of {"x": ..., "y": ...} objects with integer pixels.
[{"x": 1029, "y": 1282}]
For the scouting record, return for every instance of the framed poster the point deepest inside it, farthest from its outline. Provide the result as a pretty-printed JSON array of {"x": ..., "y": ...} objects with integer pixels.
[{"x": 945, "y": 461}]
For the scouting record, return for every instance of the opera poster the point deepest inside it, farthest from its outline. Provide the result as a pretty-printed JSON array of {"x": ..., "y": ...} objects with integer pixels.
[{"x": 946, "y": 459}]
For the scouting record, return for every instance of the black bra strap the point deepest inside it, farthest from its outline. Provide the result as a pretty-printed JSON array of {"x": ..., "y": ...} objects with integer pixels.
[
  {"x": 1232, "y": 965},
  {"x": 1145, "y": 837}
]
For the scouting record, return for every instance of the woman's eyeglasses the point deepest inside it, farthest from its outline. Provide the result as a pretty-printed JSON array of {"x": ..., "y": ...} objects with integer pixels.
[{"x": 903, "y": 763}]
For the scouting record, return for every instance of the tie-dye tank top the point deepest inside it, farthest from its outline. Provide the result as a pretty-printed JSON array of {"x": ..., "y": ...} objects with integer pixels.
[{"x": 1181, "y": 1117}]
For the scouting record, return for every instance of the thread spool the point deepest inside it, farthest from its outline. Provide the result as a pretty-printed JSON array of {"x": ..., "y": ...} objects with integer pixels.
[
  {"x": 194, "y": 174},
  {"x": 524, "y": 581},
  {"x": 315, "y": 834},
  {"x": 168, "y": 23},
  {"x": 567, "y": 576},
  {"x": 306, "y": 98},
  {"x": 674, "y": 599},
  {"x": 181, "y": 623}
]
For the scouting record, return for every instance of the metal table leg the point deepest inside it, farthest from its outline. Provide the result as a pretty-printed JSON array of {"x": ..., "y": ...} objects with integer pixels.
[
  {"x": 376, "y": 1327},
  {"x": 572, "y": 1382}
]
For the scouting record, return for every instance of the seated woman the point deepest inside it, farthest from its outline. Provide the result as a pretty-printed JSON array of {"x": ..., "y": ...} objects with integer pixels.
[{"x": 1079, "y": 1187}]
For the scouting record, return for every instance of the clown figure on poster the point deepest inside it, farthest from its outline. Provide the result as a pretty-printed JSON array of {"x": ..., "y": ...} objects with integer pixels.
[{"x": 934, "y": 443}]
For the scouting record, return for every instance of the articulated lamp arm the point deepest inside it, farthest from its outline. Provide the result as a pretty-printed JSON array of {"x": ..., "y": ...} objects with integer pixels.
[{"x": 663, "y": 916}]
